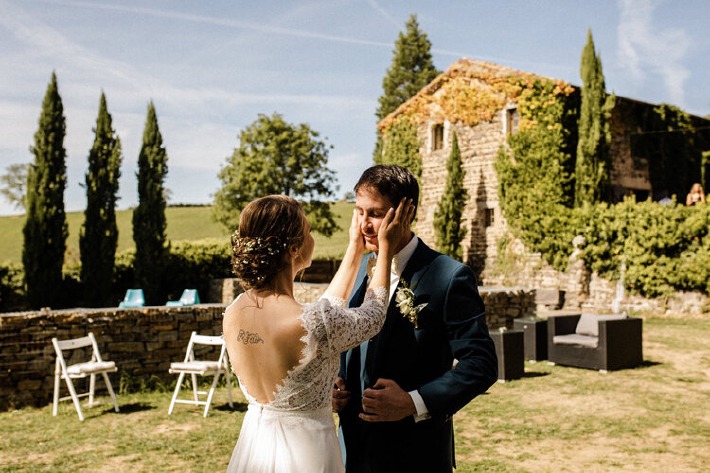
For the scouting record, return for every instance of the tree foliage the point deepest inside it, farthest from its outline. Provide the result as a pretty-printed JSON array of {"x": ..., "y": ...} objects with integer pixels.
[
  {"x": 447, "y": 218},
  {"x": 45, "y": 231},
  {"x": 665, "y": 248},
  {"x": 534, "y": 173},
  {"x": 98, "y": 237},
  {"x": 401, "y": 146},
  {"x": 13, "y": 185},
  {"x": 411, "y": 69},
  {"x": 593, "y": 148},
  {"x": 276, "y": 157},
  {"x": 149, "y": 222}
]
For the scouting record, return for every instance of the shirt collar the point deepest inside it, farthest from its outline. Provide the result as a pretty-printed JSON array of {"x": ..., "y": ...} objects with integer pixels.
[{"x": 400, "y": 260}]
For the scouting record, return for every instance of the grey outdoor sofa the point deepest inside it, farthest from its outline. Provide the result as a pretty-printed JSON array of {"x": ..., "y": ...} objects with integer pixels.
[{"x": 598, "y": 342}]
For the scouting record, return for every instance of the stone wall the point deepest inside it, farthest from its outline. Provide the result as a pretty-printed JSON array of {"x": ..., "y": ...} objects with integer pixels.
[
  {"x": 586, "y": 290},
  {"x": 628, "y": 172},
  {"x": 479, "y": 147},
  {"x": 143, "y": 342},
  {"x": 603, "y": 292},
  {"x": 505, "y": 304}
]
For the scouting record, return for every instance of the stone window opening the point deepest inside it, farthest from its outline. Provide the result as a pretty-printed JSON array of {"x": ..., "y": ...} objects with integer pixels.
[
  {"x": 512, "y": 119},
  {"x": 437, "y": 137},
  {"x": 489, "y": 217}
]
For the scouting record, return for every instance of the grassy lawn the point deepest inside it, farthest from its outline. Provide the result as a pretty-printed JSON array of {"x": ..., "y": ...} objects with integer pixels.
[
  {"x": 184, "y": 223},
  {"x": 650, "y": 419}
]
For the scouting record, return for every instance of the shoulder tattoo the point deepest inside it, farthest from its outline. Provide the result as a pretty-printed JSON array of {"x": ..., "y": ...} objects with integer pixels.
[{"x": 249, "y": 337}]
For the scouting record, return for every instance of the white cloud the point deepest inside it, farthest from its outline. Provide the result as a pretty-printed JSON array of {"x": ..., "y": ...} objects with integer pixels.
[
  {"x": 645, "y": 48},
  {"x": 230, "y": 23}
]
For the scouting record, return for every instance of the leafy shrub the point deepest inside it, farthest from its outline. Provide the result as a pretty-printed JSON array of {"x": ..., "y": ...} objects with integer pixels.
[
  {"x": 12, "y": 288},
  {"x": 190, "y": 265},
  {"x": 193, "y": 264},
  {"x": 665, "y": 247}
]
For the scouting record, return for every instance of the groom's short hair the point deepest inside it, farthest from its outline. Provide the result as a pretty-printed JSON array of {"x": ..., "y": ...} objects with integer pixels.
[{"x": 392, "y": 181}]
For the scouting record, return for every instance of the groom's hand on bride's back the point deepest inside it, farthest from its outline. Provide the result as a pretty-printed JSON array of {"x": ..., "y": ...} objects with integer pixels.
[{"x": 341, "y": 396}]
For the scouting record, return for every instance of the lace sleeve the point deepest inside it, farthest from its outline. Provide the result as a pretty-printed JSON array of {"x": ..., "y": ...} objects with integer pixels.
[
  {"x": 381, "y": 294},
  {"x": 336, "y": 301},
  {"x": 348, "y": 327}
]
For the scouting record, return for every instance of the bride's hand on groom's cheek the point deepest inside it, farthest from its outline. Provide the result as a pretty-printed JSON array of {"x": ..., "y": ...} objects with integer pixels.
[
  {"x": 355, "y": 233},
  {"x": 396, "y": 224}
]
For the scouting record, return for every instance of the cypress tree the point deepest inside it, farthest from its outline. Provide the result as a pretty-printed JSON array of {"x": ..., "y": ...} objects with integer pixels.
[
  {"x": 593, "y": 154},
  {"x": 149, "y": 223},
  {"x": 45, "y": 231},
  {"x": 98, "y": 237},
  {"x": 447, "y": 218},
  {"x": 412, "y": 68}
]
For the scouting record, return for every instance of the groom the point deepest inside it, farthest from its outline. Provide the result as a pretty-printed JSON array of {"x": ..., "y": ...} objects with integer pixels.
[{"x": 396, "y": 394}]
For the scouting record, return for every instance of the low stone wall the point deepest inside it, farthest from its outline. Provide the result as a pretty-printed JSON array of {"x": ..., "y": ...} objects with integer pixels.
[
  {"x": 586, "y": 290},
  {"x": 143, "y": 342},
  {"x": 603, "y": 292},
  {"x": 505, "y": 304}
]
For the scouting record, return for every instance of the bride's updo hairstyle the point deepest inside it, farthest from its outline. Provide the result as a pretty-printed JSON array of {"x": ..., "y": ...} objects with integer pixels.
[{"x": 268, "y": 228}]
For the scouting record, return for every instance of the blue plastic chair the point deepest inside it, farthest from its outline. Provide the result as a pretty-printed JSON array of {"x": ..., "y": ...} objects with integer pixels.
[
  {"x": 133, "y": 298},
  {"x": 188, "y": 297}
]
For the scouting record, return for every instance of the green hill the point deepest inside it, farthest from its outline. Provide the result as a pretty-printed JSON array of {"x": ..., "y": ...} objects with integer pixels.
[{"x": 184, "y": 223}]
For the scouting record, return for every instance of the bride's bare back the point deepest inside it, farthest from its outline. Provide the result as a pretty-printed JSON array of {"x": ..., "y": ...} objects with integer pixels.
[{"x": 263, "y": 341}]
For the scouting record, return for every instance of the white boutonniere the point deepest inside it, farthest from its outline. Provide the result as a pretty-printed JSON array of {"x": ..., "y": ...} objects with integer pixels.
[{"x": 405, "y": 301}]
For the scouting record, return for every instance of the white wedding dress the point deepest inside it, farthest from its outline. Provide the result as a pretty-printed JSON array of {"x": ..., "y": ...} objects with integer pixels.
[{"x": 295, "y": 432}]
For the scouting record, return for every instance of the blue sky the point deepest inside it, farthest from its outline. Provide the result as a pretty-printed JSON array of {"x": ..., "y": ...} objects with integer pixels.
[{"x": 211, "y": 67}]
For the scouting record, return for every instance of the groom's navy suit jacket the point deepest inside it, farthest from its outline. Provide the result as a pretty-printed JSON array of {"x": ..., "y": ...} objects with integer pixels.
[{"x": 451, "y": 326}]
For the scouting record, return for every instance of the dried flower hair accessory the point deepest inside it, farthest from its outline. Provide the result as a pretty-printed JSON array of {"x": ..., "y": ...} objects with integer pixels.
[
  {"x": 405, "y": 301},
  {"x": 273, "y": 245}
]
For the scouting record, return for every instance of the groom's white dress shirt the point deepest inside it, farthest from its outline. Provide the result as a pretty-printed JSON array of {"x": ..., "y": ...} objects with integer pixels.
[{"x": 399, "y": 262}]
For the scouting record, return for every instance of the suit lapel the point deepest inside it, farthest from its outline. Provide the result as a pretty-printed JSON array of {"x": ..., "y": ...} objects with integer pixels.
[
  {"x": 418, "y": 264},
  {"x": 415, "y": 269},
  {"x": 360, "y": 284},
  {"x": 351, "y": 358}
]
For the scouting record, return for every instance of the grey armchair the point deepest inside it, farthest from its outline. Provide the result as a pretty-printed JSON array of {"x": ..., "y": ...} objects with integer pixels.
[{"x": 598, "y": 342}]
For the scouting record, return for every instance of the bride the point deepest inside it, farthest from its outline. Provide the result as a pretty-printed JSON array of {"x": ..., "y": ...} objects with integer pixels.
[{"x": 286, "y": 355}]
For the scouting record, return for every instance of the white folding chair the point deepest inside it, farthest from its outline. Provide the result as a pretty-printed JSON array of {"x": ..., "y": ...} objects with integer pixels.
[
  {"x": 195, "y": 367},
  {"x": 80, "y": 370}
]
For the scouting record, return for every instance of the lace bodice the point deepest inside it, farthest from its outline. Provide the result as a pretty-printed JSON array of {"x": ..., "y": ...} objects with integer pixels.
[{"x": 331, "y": 328}]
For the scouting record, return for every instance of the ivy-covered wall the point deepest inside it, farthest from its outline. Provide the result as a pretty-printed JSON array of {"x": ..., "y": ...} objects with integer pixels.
[{"x": 523, "y": 182}]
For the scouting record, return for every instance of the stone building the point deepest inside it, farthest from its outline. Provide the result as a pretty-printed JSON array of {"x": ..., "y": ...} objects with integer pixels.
[{"x": 473, "y": 99}]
